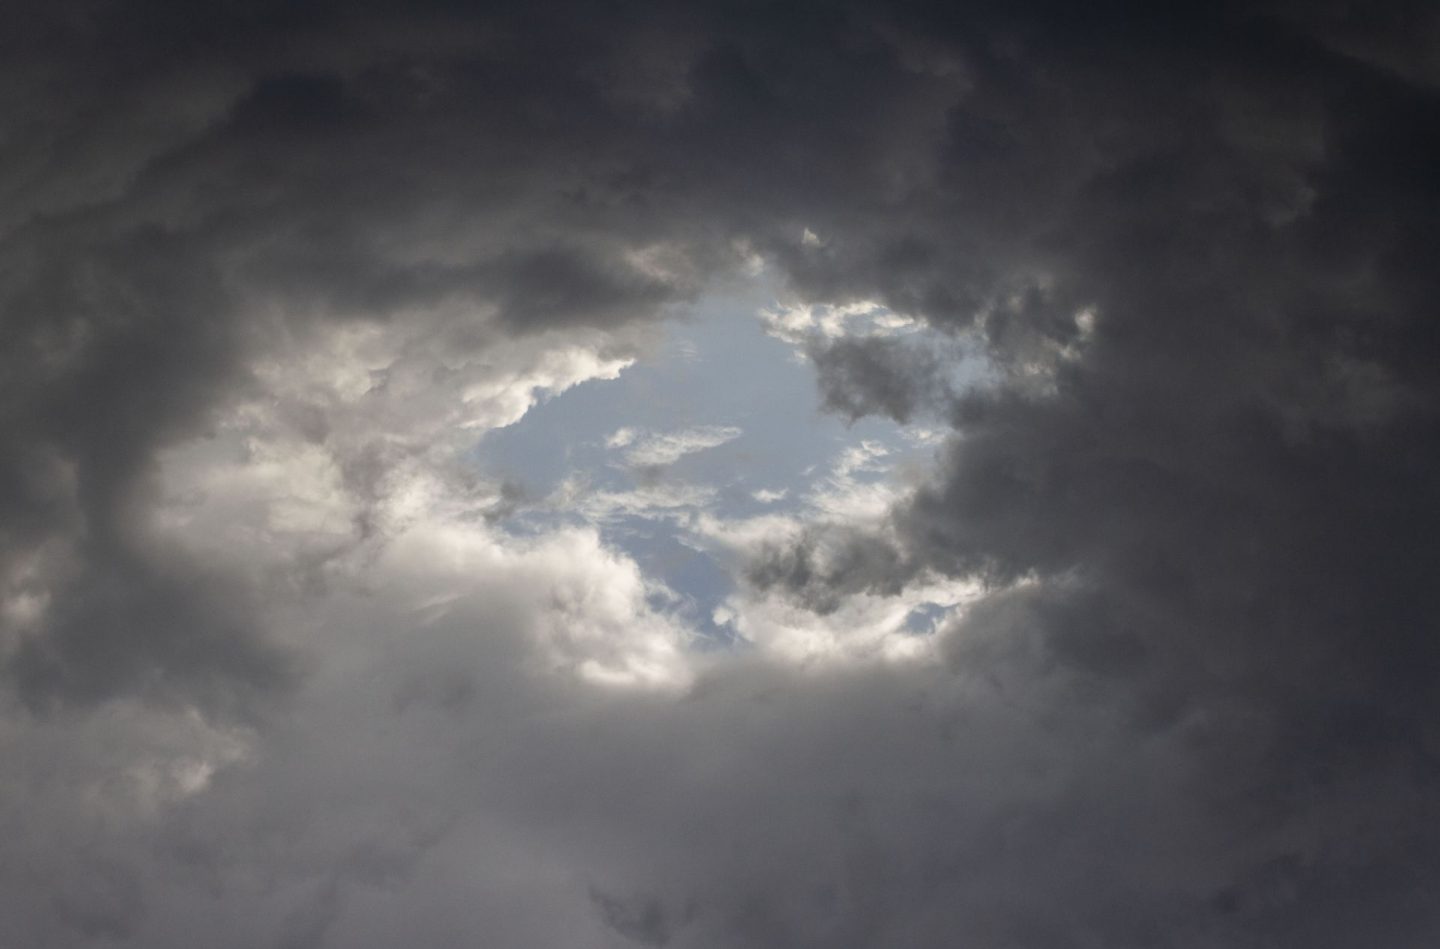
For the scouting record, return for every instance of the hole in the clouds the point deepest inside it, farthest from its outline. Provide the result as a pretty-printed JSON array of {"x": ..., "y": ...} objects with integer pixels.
[
  {"x": 683, "y": 464},
  {"x": 925, "y": 619}
]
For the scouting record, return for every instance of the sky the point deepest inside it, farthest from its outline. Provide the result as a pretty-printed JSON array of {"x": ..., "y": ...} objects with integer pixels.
[{"x": 724, "y": 474}]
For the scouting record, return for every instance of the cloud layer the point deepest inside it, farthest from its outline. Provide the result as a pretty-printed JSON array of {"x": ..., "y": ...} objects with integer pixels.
[{"x": 276, "y": 673}]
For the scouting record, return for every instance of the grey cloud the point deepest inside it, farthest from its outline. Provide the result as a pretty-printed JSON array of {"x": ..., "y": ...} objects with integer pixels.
[
  {"x": 828, "y": 562},
  {"x": 101, "y": 904},
  {"x": 329, "y": 182},
  {"x": 1004, "y": 797},
  {"x": 878, "y": 376},
  {"x": 1217, "y": 502},
  {"x": 1195, "y": 708},
  {"x": 155, "y": 626},
  {"x": 552, "y": 286},
  {"x": 642, "y": 921}
]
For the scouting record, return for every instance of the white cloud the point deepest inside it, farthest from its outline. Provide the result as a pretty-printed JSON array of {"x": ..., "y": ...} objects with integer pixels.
[
  {"x": 654, "y": 449},
  {"x": 798, "y": 322},
  {"x": 620, "y": 438},
  {"x": 863, "y": 627},
  {"x": 587, "y": 606},
  {"x": 663, "y": 499},
  {"x": 347, "y": 430}
]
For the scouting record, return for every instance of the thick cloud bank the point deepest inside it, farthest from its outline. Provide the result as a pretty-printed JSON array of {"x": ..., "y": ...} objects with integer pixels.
[{"x": 276, "y": 673}]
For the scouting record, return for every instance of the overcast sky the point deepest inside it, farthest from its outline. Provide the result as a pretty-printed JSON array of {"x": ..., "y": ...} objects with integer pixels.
[{"x": 719, "y": 474}]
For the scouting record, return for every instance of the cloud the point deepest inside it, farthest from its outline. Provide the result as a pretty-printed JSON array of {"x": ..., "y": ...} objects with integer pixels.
[
  {"x": 355, "y": 185},
  {"x": 271, "y": 674},
  {"x": 621, "y": 438},
  {"x": 658, "y": 449},
  {"x": 878, "y": 377},
  {"x": 1176, "y": 512},
  {"x": 646, "y": 500},
  {"x": 800, "y": 322}
]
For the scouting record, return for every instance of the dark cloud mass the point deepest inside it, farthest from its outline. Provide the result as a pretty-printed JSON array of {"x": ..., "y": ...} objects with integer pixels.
[{"x": 1195, "y": 704}]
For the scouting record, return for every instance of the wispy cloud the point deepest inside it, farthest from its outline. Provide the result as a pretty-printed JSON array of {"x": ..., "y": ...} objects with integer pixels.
[{"x": 657, "y": 449}]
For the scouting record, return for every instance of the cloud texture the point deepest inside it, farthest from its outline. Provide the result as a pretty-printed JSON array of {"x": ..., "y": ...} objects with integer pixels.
[{"x": 275, "y": 675}]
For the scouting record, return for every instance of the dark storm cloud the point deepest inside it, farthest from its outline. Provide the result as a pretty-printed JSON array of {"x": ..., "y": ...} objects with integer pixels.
[
  {"x": 854, "y": 561},
  {"x": 1221, "y": 494},
  {"x": 1205, "y": 510},
  {"x": 877, "y": 376}
]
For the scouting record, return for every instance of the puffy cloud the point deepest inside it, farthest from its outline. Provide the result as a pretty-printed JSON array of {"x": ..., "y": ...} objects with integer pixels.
[{"x": 1163, "y": 608}]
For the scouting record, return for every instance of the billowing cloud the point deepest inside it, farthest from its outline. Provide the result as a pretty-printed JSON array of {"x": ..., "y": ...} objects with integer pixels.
[{"x": 1143, "y": 655}]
